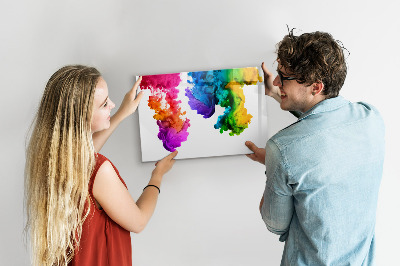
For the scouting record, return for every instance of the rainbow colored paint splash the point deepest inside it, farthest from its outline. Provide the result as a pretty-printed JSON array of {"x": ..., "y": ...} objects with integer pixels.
[{"x": 209, "y": 89}]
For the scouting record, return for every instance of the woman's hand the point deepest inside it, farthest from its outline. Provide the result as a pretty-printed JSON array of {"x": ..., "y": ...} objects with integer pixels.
[
  {"x": 131, "y": 101},
  {"x": 165, "y": 164},
  {"x": 270, "y": 89}
]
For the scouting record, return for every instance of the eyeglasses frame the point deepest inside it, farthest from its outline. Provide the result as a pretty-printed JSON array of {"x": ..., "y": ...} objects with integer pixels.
[{"x": 282, "y": 78}]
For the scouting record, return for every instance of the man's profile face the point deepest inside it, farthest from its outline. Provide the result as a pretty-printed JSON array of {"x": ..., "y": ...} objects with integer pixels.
[{"x": 294, "y": 96}]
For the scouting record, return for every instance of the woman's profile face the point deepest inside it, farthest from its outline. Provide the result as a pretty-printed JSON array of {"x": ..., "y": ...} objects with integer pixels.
[{"x": 102, "y": 106}]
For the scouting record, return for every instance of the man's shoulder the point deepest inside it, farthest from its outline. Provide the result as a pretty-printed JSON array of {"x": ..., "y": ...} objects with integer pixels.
[
  {"x": 368, "y": 114},
  {"x": 324, "y": 122},
  {"x": 288, "y": 135},
  {"x": 367, "y": 108}
]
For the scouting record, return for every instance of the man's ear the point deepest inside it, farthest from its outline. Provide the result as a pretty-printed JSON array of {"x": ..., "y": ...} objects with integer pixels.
[{"x": 317, "y": 88}]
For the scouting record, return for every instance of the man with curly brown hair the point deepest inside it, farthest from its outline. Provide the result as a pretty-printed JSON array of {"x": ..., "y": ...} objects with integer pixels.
[{"x": 323, "y": 171}]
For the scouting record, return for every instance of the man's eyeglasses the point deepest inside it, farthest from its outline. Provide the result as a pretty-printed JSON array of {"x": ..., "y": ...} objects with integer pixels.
[{"x": 282, "y": 78}]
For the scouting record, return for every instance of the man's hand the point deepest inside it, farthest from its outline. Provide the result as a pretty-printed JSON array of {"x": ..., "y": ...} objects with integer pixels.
[
  {"x": 270, "y": 89},
  {"x": 259, "y": 153}
]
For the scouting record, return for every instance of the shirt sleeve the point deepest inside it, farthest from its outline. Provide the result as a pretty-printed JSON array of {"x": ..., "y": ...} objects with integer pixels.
[{"x": 277, "y": 209}]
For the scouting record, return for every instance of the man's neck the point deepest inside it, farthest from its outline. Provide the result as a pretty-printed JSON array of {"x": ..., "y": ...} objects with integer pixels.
[{"x": 316, "y": 100}]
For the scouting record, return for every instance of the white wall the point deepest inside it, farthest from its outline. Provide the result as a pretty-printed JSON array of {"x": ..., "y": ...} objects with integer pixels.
[{"x": 208, "y": 208}]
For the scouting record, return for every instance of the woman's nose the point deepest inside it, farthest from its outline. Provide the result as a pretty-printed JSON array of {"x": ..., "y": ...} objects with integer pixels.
[{"x": 112, "y": 105}]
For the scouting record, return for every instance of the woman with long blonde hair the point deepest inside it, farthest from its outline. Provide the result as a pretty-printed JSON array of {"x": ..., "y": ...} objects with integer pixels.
[{"x": 79, "y": 211}]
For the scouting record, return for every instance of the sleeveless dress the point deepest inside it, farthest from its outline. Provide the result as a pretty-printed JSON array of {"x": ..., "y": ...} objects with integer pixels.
[{"x": 103, "y": 242}]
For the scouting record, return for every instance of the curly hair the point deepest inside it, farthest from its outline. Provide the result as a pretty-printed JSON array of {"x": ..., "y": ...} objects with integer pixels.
[{"x": 314, "y": 57}]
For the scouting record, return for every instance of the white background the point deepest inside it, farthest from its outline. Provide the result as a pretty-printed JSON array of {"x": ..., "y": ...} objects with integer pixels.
[{"x": 208, "y": 208}]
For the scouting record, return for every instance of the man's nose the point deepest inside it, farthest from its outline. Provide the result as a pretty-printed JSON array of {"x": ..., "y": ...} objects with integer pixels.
[{"x": 277, "y": 81}]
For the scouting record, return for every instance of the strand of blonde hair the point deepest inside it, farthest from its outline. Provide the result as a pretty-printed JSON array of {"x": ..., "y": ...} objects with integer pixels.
[{"x": 60, "y": 159}]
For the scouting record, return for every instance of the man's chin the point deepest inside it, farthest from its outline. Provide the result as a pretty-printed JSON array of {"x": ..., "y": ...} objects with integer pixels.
[{"x": 285, "y": 108}]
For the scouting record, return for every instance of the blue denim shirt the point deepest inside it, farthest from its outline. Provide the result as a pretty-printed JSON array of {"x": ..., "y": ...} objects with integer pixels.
[{"x": 323, "y": 176}]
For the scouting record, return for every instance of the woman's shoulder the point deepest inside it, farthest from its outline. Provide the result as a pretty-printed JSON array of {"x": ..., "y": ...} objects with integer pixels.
[
  {"x": 102, "y": 164},
  {"x": 105, "y": 167},
  {"x": 99, "y": 161},
  {"x": 100, "y": 158}
]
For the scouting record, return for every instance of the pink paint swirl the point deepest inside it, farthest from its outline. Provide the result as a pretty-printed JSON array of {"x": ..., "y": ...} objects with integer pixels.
[{"x": 163, "y": 100}]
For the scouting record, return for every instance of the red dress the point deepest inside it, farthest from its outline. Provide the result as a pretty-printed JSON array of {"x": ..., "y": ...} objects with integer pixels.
[{"x": 103, "y": 241}]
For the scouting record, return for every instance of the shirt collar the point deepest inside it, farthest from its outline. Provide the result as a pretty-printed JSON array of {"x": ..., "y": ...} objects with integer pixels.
[{"x": 325, "y": 106}]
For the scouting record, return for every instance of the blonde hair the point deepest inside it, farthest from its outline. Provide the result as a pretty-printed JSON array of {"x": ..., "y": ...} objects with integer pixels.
[{"x": 60, "y": 159}]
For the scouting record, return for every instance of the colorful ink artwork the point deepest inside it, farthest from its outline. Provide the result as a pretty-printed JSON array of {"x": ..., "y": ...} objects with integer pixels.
[{"x": 200, "y": 114}]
